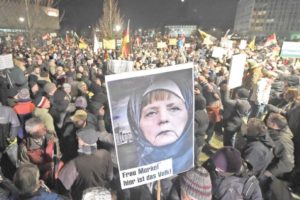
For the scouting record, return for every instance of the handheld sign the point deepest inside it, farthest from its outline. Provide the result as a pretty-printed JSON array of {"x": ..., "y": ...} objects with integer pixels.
[
  {"x": 152, "y": 118},
  {"x": 6, "y": 61},
  {"x": 236, "y": 72},
  {"x": 290, "y": 50}
]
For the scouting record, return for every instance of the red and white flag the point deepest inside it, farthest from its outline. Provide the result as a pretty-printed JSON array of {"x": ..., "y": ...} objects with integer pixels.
[{"x": 271, "y": 40}]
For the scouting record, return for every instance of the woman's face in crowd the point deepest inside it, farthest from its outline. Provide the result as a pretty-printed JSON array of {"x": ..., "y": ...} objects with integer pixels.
[{"x": 163, "y": 121}]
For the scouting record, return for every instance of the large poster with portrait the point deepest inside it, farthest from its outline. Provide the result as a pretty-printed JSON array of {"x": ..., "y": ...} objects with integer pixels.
[{"x": 152, "y": 115}]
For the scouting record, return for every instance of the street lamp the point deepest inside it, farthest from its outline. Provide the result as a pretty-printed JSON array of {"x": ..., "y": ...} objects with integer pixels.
[
  {"x": 21, "y": 19},
  {"x": 118, "y": 28},
  {"x": 182, "y": 1}
]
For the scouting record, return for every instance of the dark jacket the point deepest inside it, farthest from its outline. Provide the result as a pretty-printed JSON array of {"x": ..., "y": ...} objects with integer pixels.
[
  {"x": 283, "y": 161},
  {"x": 234, "y": 111},
  {"x": 41, "y": 194},
  {"x": 201, "y": 117},
  {"x": 87, "y": 171},
  {"x": 259, "y": 153}
]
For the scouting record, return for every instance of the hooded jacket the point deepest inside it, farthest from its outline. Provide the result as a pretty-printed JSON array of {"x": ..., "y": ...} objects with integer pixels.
[
  {"x": 258, "y": 152},
  {"x": 283, "y": 161}
]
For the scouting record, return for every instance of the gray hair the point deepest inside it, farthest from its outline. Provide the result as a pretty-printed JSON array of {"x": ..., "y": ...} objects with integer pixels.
[
  {"x": 31, "y": 124},
  {"x": 26, "y": 178}
]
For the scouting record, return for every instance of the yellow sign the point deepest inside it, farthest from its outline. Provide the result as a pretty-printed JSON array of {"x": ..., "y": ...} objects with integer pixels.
[
  {"x": 83, "y": 45},
  {"x": 173, "y": 41},
  {"x": 109, "y": 44}
]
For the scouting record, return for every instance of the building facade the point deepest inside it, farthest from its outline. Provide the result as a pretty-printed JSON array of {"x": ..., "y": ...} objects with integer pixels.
[{"x": 264, "y": 17}]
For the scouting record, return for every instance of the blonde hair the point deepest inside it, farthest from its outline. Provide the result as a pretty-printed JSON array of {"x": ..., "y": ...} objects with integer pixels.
[{"x": 292, "y": 94}]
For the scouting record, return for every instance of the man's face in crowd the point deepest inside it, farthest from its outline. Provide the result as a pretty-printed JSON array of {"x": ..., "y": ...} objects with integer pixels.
[
  {"x": 162, "y": 122},
  {"x": 79, "y": 123},
  {"x": 40, "y": 131}
]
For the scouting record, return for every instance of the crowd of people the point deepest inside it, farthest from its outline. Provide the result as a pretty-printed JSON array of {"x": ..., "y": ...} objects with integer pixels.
[{"x": 56, "y": 138}]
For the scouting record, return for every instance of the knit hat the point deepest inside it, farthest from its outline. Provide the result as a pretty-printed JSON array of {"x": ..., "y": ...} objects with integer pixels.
[
  {"x": 81, "y": 102},
  {"x": 196, "y": 184},
  {"x": 96, "y": 193},
  {"x": 49, "y": 87},
  {"x": 243, "y": 93},
  {"x": 79, "y": 115},
  {"x": 66, "y": 85},
  {"x": 228, "y": 159},
  {"x": 24, "y": 94},
  {"x": 243, "y": 107},
  {"x": 40, "y": 101},
  {"x": 100, "y": 98}
]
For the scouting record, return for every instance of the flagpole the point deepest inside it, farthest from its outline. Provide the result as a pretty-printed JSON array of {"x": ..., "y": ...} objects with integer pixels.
[{"x": 129, "y": 35}]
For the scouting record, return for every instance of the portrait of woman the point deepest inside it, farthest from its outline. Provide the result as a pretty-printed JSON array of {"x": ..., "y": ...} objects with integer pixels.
[{"x": 160, "y": 117}]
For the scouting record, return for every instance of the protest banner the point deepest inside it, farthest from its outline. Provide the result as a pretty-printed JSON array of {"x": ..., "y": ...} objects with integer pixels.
[
  {"x": 243, "y": 44},
  {"x": 119, "y": 66},
  {"x": 290, "y": 50},
  {"x": 218, "y": 52},
  {"x": 96, "y": 44},
  {"x": 172, "y": 41},
  {"x": 109, "y": 44},
  {"x": 6, "y": 61},
  {"x": 53, "y": 34},
  {"x": 187, "y": 45},
  {"x": 152, "y": 151},
  {"x": 236, "y": 71},
  {"x": 161, "y": 45}
]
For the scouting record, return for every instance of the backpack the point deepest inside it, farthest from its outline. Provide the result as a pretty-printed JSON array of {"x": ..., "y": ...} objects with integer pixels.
[
  {"x": 235, "y": 188},
  {"x": 4, "y": 135}
]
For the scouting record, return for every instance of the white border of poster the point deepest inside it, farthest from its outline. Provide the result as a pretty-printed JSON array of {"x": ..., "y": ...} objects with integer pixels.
[
  {"x": 120, "y": 66},
  {"x": 135, "y": 166},
  {"x": 290, "y": 50},
  {"x": 6, "y": 61},
  {"x": 236, "y": 71}
]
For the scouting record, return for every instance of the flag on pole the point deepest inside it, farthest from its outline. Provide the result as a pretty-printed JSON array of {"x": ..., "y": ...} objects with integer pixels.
[
  {"x": 82, "y": 44},
  {"x": 271, "y": 40},
  {"x": 251, "y": 45},
  {"x": 96, "y": 44},
  {"x": 125, "y": 42},
  {"x": 207, "y": 38},
  {"x": 46, "y": 36}
]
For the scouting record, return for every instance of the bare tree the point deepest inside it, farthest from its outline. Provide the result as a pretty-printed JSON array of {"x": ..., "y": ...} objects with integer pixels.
[
  {"x": 110, "y": 19},
  {"x": 34, "y": 16}
]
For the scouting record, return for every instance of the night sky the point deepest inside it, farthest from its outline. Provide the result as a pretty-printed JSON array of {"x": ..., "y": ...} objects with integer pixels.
[{"x": 153, "y": 13}]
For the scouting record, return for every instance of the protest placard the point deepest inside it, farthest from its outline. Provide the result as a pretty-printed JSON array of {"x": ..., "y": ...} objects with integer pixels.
[
  {"x": 161, "y": 45},
  {"x": 172, "y": 41},
  {"x": 236, "y": 72},
  {"x": 109, "y": 44},
  {"x": 290, "y": 50},
  {"x": 119, "y": 66},
  {"x": 243, "y": 44},
  {"x": 53, "y": 34},
  {"x": 187, "y": 45},
  {"x": 218, "y": 52},
  {"x": 147, "y": 149},
  {"x": 6, "y": 61}
]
